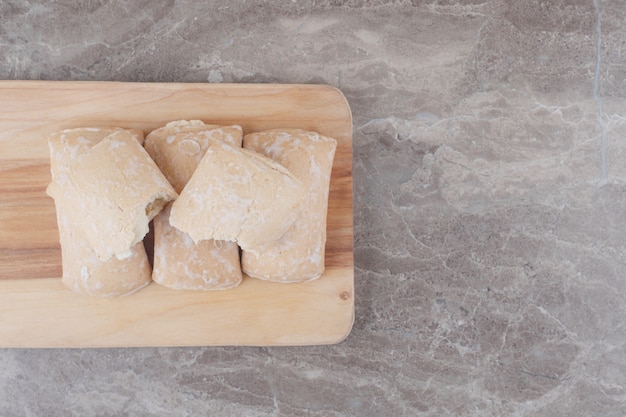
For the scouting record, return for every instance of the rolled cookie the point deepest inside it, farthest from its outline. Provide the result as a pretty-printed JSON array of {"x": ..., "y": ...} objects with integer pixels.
[
  {"x": 179, "y": 262},
  {"x": 299, "y": 254},
  {"x": 83, "y": 272},
  {"x": 237, "y": 195},
  {"x": 121, "y": 189}
]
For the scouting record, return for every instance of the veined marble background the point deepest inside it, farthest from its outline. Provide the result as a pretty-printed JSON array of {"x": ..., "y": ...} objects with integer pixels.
[{"x": 489, "y": 204}]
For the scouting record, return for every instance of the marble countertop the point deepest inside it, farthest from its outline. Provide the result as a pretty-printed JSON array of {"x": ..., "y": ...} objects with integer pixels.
[{"x": 489, "y": 204}]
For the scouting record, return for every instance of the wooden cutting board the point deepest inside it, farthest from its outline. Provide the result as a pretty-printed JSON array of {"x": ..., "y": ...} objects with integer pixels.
[{"x": 37, "y": 311}]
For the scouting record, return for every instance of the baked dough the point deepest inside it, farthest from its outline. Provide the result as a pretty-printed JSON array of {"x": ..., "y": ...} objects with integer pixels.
[
  {"x": 178, "y": 147},
  {"x": 179, "y": 262},
  {"x": 299, "y": 254},
  {"x": 238, "y": 195},
  {"x": 83, "y": 272},
  {"x": 65, "y": 145},
  {"x": 121, "y": 190},
  {"x": 182, "y": 264}
]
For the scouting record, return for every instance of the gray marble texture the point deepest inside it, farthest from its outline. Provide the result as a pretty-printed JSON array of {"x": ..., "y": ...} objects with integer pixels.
[{"x": 489, "y": 204}]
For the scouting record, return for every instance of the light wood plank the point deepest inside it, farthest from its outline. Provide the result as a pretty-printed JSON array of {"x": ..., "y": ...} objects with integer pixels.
[{"x": 37, "y": 311}]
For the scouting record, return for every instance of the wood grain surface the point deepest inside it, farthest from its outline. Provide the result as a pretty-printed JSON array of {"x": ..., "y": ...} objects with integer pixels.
[{"x": 37, "y": 311}]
